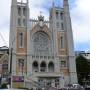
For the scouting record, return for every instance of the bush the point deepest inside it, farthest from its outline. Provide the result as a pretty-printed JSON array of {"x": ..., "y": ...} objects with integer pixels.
[
  {"x": 4, "y": 86},
  {"x": 31, "y": 89},
  {"x": 38, "y": 89}
]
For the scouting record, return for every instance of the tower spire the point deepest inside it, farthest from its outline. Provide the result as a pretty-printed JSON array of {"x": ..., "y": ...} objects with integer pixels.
[
  {"x": 66, "y": 6},
  {"x": 27, "y": 1},
  {"x": 14, "y": 2},
  {"x": 53, "y": 3},
  {"x": 21, "y": 1},
  {"x": 65, "y": 3}
]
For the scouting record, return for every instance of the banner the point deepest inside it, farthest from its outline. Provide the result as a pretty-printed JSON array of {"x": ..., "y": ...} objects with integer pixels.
[{"x": 18, "y": 78}]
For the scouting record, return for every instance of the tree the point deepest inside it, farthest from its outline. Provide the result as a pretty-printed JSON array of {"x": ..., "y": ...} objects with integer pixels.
[{"x": 83, "y": 68}]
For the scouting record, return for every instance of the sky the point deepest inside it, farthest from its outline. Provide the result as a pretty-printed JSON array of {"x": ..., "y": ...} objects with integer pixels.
[{"x": 80, "y": 17}]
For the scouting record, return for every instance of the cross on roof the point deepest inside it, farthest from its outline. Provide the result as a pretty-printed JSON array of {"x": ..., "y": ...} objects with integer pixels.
[{"x": 40, "y": 13}]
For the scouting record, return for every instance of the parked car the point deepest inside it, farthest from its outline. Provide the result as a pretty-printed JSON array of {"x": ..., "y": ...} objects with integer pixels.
[
  {"x": 77, "y": 86},
  {"x": 87, "y": 87}
]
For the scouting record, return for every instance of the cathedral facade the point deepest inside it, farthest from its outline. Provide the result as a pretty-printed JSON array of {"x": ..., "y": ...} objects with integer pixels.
[{"x": 42, "y": 50}]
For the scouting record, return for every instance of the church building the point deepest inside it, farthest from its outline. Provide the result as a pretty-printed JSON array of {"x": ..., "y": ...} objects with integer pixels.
[{"x": 42, "y": 50}]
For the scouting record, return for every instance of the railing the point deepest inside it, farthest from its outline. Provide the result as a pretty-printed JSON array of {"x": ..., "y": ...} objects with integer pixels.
[
  {"x": 42, "y": 57},
  {"x": 71, "y": 89}
]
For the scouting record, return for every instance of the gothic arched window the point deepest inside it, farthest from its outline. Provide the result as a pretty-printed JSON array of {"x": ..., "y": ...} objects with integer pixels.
[
  {"x": 24, "y": 22},
  {"x": 35, "y": 66},
  {"x": 24, "y": 11},
  {"x": 19, "y": 21},
  {"x": 61, "y": 15},
  {"x": 62, "y": 42},
  {"x": 51, "y": 67},
  {"x": 21, "y": 40},
  {"x": 19, "y": 11},
  {"x": 40, "y": 43}
]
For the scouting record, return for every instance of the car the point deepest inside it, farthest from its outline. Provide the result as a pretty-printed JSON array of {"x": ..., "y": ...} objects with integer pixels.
[
  {"x": 88, "y": 86},
  {"x": 77, "y": 86}
]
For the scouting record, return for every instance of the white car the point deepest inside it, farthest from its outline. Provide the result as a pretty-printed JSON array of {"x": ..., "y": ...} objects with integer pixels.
[{"x": 77, "y": 86}]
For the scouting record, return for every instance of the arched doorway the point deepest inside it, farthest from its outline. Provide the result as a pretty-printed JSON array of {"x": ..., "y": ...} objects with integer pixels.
[{"x": 43, "y": 66}]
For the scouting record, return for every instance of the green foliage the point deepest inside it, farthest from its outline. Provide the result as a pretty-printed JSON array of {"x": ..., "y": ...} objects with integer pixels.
[
  {"x": 83, "y": 68},
  {"x": 4, "y": 86},
  {"x": 38, "y": 89},
  {"x": 31, "y": 89}
]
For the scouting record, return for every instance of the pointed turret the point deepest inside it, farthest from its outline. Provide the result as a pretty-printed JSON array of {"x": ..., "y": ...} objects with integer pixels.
[
  {"x": 65, "y": 3},
  {"x": 13, "y": 20},
  {"x": 53, "y": 3},
  {"x": 70, "y": 44},
  {"x": 66, "y": 6},
  {"x": 68, "y": 27},
  {"x": 27, "y": 1},
  {"x": 14, "y": 2}
]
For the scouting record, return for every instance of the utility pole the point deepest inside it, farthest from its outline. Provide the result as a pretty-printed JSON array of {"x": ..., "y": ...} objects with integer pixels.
[
  {"x": 11, "y": 61},
  {"x": 11, "y": 67}
]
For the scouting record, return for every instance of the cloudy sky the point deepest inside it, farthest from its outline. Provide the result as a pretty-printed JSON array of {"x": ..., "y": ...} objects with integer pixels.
[{"x": 80, "y": 16}]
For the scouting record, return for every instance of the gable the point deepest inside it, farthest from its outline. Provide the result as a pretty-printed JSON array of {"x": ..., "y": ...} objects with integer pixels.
[{"x": 44, "y": 28}]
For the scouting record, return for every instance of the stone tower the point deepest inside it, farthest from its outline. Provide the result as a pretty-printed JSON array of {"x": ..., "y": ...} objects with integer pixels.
[
  {"x": 60, "y": 25},
  {"x": 42, "y": 50},
  {"x": 18, "y": 34}
]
